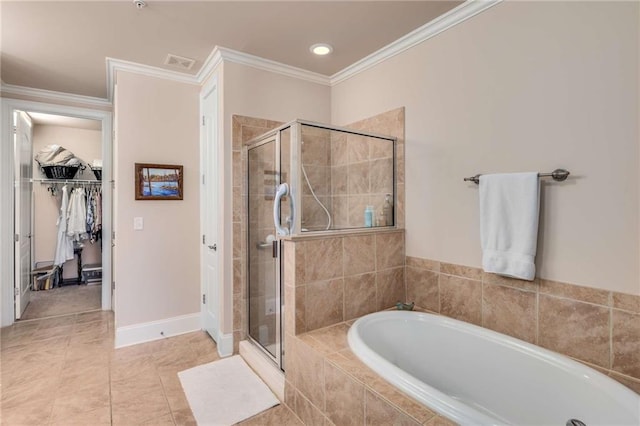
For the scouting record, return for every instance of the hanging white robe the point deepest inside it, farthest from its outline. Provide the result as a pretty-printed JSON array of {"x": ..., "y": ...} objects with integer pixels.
[
  {"x": 77, "y": 215},
  {"x": 64, "y": 246}
]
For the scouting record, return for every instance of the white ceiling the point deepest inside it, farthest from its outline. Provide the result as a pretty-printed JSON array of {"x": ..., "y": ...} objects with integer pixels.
[{"x": 62, "y": 45}]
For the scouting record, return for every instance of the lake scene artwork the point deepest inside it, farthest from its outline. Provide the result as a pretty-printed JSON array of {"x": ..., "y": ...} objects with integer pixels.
[{"x": 158, "y": 182}]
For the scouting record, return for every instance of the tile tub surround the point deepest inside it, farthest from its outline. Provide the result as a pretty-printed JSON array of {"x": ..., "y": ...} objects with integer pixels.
[
  {"x": 598, "y": 327},
  {"x": 335, "y": 278},
  {"x": 326, "y": 384}
]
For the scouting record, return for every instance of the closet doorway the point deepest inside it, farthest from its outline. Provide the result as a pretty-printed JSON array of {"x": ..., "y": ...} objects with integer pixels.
[{"x": 62, "y": 223}]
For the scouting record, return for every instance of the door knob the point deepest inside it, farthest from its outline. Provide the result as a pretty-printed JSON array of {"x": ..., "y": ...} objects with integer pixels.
[{"x": 213, "y": 247}]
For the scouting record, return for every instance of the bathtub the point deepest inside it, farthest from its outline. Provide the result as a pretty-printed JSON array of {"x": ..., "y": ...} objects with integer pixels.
[{"x": 476, "y": 376}]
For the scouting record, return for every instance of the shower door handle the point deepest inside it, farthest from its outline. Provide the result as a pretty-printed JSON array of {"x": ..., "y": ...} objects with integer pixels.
[{"x": 281, "y": 191}]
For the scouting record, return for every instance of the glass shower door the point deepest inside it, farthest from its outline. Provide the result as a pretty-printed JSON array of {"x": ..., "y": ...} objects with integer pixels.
[{"x": 262, "y": 254}]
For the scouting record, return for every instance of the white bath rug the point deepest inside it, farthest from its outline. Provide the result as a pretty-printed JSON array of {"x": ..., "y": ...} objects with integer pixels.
[{"x": 225, "y": 392}]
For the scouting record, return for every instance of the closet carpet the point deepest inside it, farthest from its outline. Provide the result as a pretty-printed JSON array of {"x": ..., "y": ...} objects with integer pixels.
[
  {"x": 65, "y": 300},
  {"x": 64, "y": 371}
]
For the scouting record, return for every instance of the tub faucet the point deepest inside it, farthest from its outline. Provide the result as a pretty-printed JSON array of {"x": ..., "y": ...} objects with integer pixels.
[{"x": 405, "y": 306}]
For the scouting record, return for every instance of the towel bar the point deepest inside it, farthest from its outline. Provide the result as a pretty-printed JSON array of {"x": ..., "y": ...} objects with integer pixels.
[{"x": 558, "y": 175}]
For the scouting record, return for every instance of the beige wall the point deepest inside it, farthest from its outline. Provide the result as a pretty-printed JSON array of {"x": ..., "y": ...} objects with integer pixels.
[
  {"x": 524, "y": 86},
  {"x": 85, "y": 144},
  {"x": 158, "y": 273}
]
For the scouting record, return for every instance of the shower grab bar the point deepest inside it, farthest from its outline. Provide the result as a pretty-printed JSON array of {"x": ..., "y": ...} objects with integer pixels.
[
  {"x": 281, "y": 191},
  {"x": 558, "y": 175}
]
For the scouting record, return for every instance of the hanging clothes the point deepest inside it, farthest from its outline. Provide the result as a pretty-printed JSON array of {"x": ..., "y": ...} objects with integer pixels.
[
  {"x": 77, "y": 215},
  {"x": 90, "y": 214},
  {"x": 64, "y": 246}
]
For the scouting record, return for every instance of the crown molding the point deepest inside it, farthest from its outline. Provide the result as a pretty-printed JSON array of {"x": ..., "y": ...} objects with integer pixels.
[
  {"x": 54, "y": 96},
  {"x": 454, "y": 17},
  {"x": 210, "y": 64},
  {"x": 219, "y": 55},
  {"x": 114, "y": 65},
  {"x": 272, "y": 66}
]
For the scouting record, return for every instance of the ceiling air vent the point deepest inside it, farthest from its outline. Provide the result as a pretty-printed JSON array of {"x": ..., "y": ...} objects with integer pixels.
[{"x": 179, "y": 62}]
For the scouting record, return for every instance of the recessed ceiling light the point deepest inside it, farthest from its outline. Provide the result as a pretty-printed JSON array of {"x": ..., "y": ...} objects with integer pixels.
[
  {"x": 321, "y": 49},
  {"x": 139, "y": 4}
]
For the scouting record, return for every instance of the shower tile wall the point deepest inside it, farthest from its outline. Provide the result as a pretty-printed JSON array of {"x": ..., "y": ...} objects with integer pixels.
[
  {"x": 598, "y": 327},
  {"x": 316, "y": 158},
  {"x": 320, "y": 147},
  {"x": 338, "y": 278},
  {"x": 244, "y": 129},
  {"x": 361, "y": 174},
  {"x": 376, "y": 159}
]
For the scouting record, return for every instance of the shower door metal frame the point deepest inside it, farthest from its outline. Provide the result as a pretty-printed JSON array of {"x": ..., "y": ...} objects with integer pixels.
[{"x": 266, "y": 139}]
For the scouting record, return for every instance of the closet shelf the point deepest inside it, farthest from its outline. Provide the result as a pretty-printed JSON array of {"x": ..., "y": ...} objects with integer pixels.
[{"x": 84, "y": 181}]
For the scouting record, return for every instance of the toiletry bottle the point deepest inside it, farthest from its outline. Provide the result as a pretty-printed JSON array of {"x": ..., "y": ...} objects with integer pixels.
[
  {"x": 368, "y": 216},
  {"x": 381, "y": 220},
  {"x": 387, "y": 210}
]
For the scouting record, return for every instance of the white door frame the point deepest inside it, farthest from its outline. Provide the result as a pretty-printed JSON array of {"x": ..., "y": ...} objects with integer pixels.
[{"x": 7, "y": 311}]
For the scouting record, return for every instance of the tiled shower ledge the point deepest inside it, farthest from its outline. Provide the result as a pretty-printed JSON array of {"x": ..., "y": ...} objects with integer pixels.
[{"x": 314, "y": 235}]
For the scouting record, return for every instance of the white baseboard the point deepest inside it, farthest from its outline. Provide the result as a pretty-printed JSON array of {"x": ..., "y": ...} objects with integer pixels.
[
  {"x": 155, "y": 330},
  {"x": 267, "y": 370},
  {"x": 225, "y": 344}
]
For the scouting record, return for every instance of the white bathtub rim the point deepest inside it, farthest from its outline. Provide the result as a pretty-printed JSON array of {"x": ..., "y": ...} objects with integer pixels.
[
  {"x": 434, "y": 399},
  {"x": 444, "y": 404}
]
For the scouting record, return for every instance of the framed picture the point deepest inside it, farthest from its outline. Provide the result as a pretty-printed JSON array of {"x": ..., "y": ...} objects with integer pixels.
[{"x": 158, "y": 182}]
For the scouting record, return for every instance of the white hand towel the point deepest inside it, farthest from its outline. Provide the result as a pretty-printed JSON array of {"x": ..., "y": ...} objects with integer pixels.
[{"x": 509, "y": 205}]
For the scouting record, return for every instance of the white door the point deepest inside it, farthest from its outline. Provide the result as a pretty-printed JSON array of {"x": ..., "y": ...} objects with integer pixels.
[
  {"x": 210, "y": 292},
  {"x": 23, "y": 201}
]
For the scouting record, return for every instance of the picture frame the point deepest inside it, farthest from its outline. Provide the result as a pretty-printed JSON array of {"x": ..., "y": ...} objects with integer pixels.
[{"x": 158, "y": 181}]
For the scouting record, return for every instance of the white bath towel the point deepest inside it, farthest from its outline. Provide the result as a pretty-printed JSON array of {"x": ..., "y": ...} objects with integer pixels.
[{"x": 509, "y": 205}]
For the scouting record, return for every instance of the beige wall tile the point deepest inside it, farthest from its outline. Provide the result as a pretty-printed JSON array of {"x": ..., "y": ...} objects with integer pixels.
[
  {"x": 423, "y": 288},
  {"x": 358, "y": 178},
  {"x": 508, "y": 281},
  {"x": 379, "y": 412},
  {"x": 290, "y": 394},
  {"x": 301, "y": 310},
  {"x": 509, "y": 311},
  {"x": 627, "y": 302},
  {"x": 348, "y": 362},
  {"x": 390, "y": 287},
  {"x": 339, "y": 180},
  {"x": 461, "y": 298},
  {"x": 359, "y": 295},
  {"x": 570, "y": 291},
  {"x": 333, "y": 338},
  {"x": 238, "y": 277},
  {"x": 359, "y": 254},
  {"x": 323, "y": 259},
  {"x": 344, "y": 397},
  {"x": 407, "y": 405},
  {"x": 416, "y": 262},
  {"x": 357, "y": 204},
  {"x": 357, "y": 148},
  {"x": 308, "y": 413},
  {"x": 577, "y": 329},
  {"x": 625, "y": 339},
  {"x": 324, "y": 302},
  {"x": 389, "y": 250},
  {"x": 440, "y": 421},
  {"x": 309, "y": 373},
  {"x": 461, "y": 271}
]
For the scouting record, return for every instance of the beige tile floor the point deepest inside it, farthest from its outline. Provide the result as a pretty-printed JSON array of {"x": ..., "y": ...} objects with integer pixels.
[
  {"x": 65, "y": 300},
  {"x": 64, "y": 371}
]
